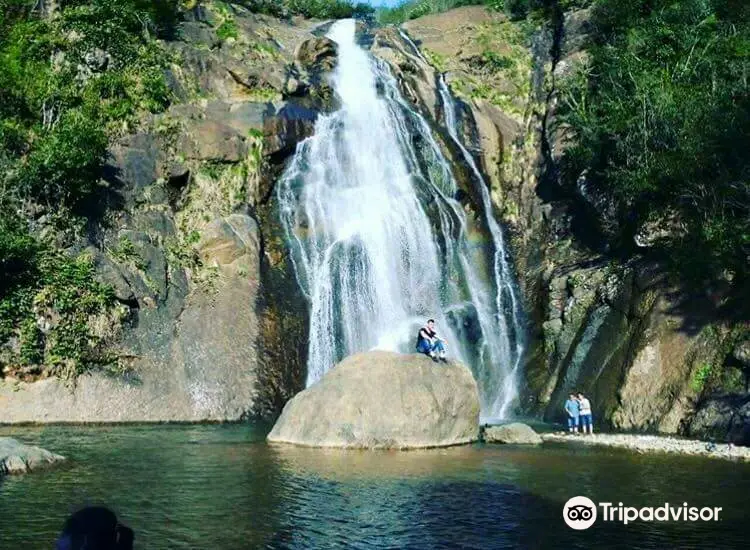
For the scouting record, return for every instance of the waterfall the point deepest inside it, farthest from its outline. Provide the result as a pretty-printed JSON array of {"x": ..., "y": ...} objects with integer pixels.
[
  {"x": 379, "y": 242},
  {"x": 510, "y": 315}
]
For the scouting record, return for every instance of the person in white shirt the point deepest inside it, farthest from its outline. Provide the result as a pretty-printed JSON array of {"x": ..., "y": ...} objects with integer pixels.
[{"x": 586, "y": 420}]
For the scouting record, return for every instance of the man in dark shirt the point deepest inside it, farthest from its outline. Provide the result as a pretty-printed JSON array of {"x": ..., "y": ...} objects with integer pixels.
[{"x": 429, "y": 343}]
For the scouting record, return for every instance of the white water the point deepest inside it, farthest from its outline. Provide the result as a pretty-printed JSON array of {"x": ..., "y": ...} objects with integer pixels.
[
  {"x": 508, "y": 304},
  {"x": 510, "y": 317},
  {"x": 378, "y": 241}
]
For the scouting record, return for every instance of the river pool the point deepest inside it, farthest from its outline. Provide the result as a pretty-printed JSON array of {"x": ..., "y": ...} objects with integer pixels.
[{"x": 223, "y": 487}]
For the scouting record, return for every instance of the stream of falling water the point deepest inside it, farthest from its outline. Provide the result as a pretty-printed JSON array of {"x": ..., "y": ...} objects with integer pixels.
[{"x": 380, "y": 243}]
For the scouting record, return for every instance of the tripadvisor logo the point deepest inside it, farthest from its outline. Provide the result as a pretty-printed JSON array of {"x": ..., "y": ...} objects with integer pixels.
[{"x": 581, "y": 513}]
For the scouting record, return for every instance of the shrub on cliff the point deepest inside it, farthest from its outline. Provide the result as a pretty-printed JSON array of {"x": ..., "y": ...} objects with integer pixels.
[
  {"x": 660, "y": 118},
  {"x": 70, "y": 81}
]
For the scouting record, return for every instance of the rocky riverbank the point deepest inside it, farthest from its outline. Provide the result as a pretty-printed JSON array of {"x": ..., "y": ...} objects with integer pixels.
[{"x": 655, "y": 444}]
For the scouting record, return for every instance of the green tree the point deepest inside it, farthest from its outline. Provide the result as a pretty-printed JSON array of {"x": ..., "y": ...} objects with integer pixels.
[{"x": 660, "y": 119}]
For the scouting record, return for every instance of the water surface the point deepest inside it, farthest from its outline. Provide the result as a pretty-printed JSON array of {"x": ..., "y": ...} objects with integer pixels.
[{"x": 222, "y": 487}]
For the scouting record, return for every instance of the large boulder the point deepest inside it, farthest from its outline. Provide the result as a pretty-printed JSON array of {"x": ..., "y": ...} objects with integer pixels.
[
  {"x": 209, "y": 140},
  {"x": 512, "y": 434},
  {"x": 384, "y": 400},
  {"x": 17, "y": 458}
]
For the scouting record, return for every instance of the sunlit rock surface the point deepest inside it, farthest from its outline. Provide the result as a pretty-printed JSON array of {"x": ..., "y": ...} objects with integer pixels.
[{"x": 384, "y": 400}]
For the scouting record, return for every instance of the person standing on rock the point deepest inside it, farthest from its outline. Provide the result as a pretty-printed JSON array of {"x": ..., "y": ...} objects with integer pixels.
[
  {"x": 573, "y": 411},
  {"x": 587, "y": 422},
  {"x": 429, "y": 343}
]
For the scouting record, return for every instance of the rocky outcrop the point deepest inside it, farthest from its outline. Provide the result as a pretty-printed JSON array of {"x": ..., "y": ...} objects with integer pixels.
[
  {"x": 212, "y": 325},
  {"x": 17, "y": 458},
  {"x": 384, "y": 400},
  {"x": 512, "y": 434},
  {"x": 724, "y": 417},
  {"x": 624, "y": 331},
  {"x": 195, "y": 362}
]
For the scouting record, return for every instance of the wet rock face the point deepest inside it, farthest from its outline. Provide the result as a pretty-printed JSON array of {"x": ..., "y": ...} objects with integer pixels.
[
  {"x": 214, "y": 324},
  {"x": 417, "y": 78},
  {"x": 289, "y": 124},
  {"x": 411, "y": 403},
  {"x": 317, "y": 55}
]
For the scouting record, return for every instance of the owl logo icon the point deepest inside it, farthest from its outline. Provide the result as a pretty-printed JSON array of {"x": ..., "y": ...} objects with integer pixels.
[{"x": 579, "y": 513}]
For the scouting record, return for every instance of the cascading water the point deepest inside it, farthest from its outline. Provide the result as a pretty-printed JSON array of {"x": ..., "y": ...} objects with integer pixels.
[
  {"x": 510, "y": 316},
  {"x": 379, "y": 242}
]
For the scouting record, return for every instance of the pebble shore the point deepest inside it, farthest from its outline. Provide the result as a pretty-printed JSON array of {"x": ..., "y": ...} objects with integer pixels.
[{"x": 655, "y": 444}]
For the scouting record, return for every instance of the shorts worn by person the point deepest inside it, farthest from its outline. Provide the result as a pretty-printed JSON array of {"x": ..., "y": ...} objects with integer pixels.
[
  {"x": 587, "y": 421},
  {"x": 572, "y": 409},
  {"x": 429, "y": 343}
]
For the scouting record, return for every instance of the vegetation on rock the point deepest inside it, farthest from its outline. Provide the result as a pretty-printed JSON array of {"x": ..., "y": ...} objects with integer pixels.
[
  {"x": 420, "y": 8},
  {"x": 515, "y": 9},
  {"x": 501, "y": 73},
  {"x": 317, "y": 9},
  {"x": 658, "y": 119},
  {"x": 70, "y": 81}
]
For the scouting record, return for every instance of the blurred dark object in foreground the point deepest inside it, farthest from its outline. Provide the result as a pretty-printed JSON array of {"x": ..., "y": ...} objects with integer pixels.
[{"x": 95, "y": 528}]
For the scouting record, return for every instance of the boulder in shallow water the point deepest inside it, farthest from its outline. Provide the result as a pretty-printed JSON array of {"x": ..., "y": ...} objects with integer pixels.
[
  {"x": 17, "y": 458},
  {"x": 384, "y": 400},
  {"x": 512, "y": 434}
]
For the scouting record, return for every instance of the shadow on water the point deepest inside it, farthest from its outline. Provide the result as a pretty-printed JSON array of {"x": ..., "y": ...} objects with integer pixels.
[{"x": 222, "y": 487}]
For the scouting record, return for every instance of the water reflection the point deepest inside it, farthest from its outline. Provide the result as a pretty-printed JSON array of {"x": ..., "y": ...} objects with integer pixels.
[
  {"x": 221, "y": 487},
  {"x": 346, "y": 465}
]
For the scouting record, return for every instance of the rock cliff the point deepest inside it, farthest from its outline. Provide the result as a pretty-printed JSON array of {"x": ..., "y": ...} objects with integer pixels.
[
  {"x": 211, "y": 323},
  {"x": 653, "y": 356}
]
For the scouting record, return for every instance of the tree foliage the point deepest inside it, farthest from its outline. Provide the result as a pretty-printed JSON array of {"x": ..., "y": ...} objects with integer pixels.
[
  {"x": 70, "y": 81},
  {"x": 660, "y": 119}
]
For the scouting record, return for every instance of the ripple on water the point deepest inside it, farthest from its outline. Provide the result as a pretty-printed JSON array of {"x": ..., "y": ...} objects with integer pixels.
[{"x": 221, "y": 487}]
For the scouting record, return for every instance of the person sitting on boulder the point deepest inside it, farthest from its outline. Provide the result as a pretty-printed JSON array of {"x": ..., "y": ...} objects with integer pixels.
[{"x": 429, "y": 343}]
